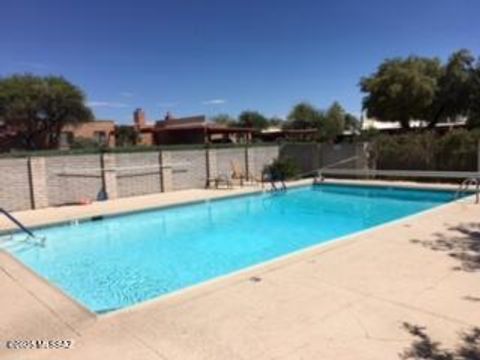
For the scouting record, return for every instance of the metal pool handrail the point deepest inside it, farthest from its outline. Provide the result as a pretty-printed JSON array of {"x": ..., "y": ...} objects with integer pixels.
[
  {"x": 316, "y": 172},
  {"x": 464, "y": 186},
  {"x": 22, "y": 227},
  {"x": 282, "y": 187}
]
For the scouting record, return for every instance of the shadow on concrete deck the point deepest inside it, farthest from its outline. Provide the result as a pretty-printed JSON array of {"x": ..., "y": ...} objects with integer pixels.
[
  {"x": 462, "y": 242},
  {"x": 424, "y": 347}
]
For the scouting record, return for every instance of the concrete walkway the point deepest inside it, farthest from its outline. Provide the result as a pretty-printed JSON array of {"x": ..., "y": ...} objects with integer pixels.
[{"x": 344, "y": 300}]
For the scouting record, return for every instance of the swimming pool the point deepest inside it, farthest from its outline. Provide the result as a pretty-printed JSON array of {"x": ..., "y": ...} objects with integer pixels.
[{"x": 119, "y": 261}]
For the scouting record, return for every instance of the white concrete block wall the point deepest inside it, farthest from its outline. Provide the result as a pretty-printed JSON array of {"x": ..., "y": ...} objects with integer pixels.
[
  {"x": 259, "y": 157},
  {"x": 14, "y": 184},
  {"x": 140, "y": 175},
  {"x": 331, "y": 154},
  {"x": 307, "y": 157},
  {"x": 110, "y": 175},
  {"x": 66, "y": 179},
  {"x": 227, "y": 157},
  {"x": 189, "y": 169},
  {"x": 72, "y": 178},
  {"x": 166, "y": 176},
  {"x": 38, "y": 182}
]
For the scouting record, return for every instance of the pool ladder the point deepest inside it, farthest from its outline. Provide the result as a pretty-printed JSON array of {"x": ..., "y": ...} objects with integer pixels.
[
  {"x": 31, "y": 237},
  {"x": 318, "y": 178},
  {"x": 465, "y": 188},
  {"x": 275, "y": 188}
]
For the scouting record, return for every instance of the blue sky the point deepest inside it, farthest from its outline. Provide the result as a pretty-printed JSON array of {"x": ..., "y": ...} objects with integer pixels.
[{"x": 210, "y": 56}]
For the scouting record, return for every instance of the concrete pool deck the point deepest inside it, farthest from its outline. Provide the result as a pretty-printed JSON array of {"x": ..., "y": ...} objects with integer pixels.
[{"x": 343, "y": 300}]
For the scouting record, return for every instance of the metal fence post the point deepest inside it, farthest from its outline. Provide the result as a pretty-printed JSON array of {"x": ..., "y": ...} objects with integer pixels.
[
  {"x": 37, "y": 182},
  {"x": 247, "y": 165},
  {"x": 478, "y": 156}
]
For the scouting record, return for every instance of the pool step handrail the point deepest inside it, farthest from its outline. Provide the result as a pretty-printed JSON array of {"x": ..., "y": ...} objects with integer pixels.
[
  {"x": 268, "y": 177},
  {"x": 318, "y": 176},
  {"x": 283, "y": 186},
  {"x": 21, "y": 226},
  {"x": 465, "y": 185}
]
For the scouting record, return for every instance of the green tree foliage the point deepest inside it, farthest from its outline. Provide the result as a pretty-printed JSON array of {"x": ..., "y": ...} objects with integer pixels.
[
  {"x": 454, "y": 92},
  {"x": 126, "y": 136},
  {"x": 304, "y": 116},
  {"x": 82, "y": 143},
  {"x": 39, "y": 107},
  {"x": 474, "y": 111},
  {"x": 352, "y": 123},
  {"x": 454, "y": 151},
  {"x": 224, "y": 119},
  {"x": 281, "y": 169},
  {"x": 419, "y": 88},
  {"x": 329, "y": 123},
  {"x": 249, "y": 119},
  {"x": 275, "y": 121},
  {"x": 252, "y": 119},
  {"x": 334, "y": 121},
  {"x": 402, "y": 89}
]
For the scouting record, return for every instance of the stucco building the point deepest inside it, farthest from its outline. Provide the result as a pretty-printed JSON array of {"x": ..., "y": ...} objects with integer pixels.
[
  {"x": 186, "y": 130},
  {"x": 101, "y": 132}
]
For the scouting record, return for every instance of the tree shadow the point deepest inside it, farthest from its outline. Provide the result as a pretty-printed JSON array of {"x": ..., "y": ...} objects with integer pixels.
[
  {"x": 462, "y": 242},
  {"x": 424, "y": 347},
  {"x": 471, "y": 298}
]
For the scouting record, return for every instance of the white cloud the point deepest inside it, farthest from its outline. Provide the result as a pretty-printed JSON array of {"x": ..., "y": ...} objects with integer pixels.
[
  {"x": 214, "y": 102},
  {"x": 107, "y": 104}
]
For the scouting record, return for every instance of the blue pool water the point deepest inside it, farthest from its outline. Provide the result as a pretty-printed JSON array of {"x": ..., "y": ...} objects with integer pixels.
[{"x": 119, "y": 261}]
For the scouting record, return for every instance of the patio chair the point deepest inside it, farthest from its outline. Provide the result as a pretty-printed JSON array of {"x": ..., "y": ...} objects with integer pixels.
[
  {"x": 242, "y": 176},
  {"x": 219, "y": 181}
]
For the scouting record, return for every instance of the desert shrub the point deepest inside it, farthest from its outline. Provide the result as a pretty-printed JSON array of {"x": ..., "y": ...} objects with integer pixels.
[
  {"x": 457, "y": 151},
  {"x": 281, "y": 168},
  {"x": 453, "y": 151},
  {"x": 81, "y": 143}
]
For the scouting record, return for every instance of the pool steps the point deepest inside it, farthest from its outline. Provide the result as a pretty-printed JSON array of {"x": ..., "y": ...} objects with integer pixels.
[{"x": 30, "y": 235}]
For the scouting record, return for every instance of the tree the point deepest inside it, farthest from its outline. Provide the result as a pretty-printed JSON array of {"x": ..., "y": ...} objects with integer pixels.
[
  {"x": 334, "y": 122},
  {"x": 224, "y": 119},
  {"x": 329, "y": 123},
  {"x": 39, "y": 107},
  {"x": 351, "y": 123},
  {"x": 275, "y": 121},
  {"x": 453, "y": 96},
  {"x": 402, "y": 89},
  {"x": 422, "y": 89},
  {"x": 85, "y": 143},
  {"x": 126, "y": 136},
  {"x": 474, "y": 108},
  {"x": 304, "y": 116},
  {"x": 252, "y": 119}
]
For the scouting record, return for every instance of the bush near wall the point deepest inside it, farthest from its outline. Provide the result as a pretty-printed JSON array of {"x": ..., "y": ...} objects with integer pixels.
[
  {"x": 456, "y": 150},
  {"x": 281, "y": 169}
]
